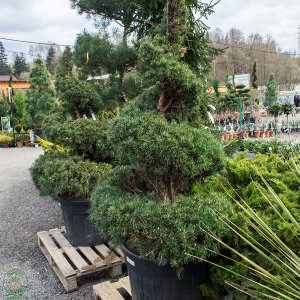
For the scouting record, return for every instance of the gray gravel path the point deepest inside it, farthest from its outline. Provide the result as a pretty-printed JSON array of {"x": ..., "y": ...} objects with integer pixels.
[{"x": 23, "y": 212}]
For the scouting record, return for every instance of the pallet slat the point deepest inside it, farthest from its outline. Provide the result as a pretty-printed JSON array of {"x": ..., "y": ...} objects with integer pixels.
[
  {"x": 106, "y": 291},
  {"x": 110, "y": 290},
  {"x": 108, "y": 254},
  {"x": 74, "y": 256},
  {"x": 56, "y": 255},
  {"x": 62, "y": 255}
]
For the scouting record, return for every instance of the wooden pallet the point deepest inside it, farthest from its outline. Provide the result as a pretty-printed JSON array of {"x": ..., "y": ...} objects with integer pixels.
[
  {"x": 112, "y": 290},
  {"x": 70, "y": 262}
]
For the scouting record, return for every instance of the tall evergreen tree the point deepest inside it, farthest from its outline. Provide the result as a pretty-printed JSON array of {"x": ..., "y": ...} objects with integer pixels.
[
  {"x": 254, "y": 77},
  {"x": 40, "y": 97},
  {"x": 65, "y": 67},
  {"x": 51, "y": 61},
  {"x": 19, "y": 65},
  {"x": 271, "y": 92},
  {"x": 4, "y": 67}
]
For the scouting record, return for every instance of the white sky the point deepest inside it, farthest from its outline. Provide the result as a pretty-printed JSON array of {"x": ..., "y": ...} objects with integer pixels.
[
  {"x": 55, "y": 21},
  {"x": 280, "y": 18}
]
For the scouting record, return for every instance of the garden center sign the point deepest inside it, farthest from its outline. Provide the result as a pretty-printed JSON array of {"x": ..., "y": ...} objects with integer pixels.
[
  {"x": 5, "y": 123},
  {"x": 241, "y": 79}
]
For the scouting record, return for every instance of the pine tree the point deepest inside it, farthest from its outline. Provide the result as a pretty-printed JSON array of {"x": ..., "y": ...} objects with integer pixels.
[
  {"x": 51, "y": 62},
  {"x": 254, "y": 77},
  {"x": 65, "y": 67},
  {"x": 4, "y": 67},
  {"x": 19, "y": 65},
  {"x": 271, "y": 92},
  {"x": 40, "y": 97}
]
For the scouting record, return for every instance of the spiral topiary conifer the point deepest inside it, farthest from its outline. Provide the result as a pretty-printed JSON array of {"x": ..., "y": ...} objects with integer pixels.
[{"x": 161, "y": 149}]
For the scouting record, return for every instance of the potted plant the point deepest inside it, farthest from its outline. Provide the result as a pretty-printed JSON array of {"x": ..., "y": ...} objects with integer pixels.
[
  {"x": 5, "y": 140},
  {"x": 70, "y": 180},
  {"x": 146, "y": 201},
  {"x": 257, "y": 131}
]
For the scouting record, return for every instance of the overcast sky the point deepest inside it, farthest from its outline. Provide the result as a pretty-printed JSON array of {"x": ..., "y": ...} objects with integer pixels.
[{"x": 54, "y": 20}]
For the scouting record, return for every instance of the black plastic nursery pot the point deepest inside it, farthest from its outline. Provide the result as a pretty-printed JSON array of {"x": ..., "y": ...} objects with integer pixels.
[
  {"x": 80, "y": 230},
  {"x": 149, "y": 281}
]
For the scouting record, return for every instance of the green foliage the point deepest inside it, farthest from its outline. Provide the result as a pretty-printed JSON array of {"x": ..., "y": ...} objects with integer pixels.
[
  {"x": 5, "y": 139},
  {"x": 145, "y": 202},
  {"x": 162, "y": 231},
  {"x": 4, "y": 107},
  {"x": 51, "y": 60},
  {"x": 271, "y": 92},
  {"x": 18, "y": 128},
  {"x": 78, "y": 97},
  {"x": 40, "y": 96},
  {"x": 19, "y": 65},
  {"x": 242, "y": 177},
  {"x": 157, "y": 148},
  {"x": 121, "y": 58},
  {"x": 60, "y": 175},
  {"x": 275, "y": 110},
  {"x": 254, "y": 77},
  {"x": 287, "y": 108},
  {"x": 65, "y": 67},
  {"x": 92, "y": 53},
  {"x": 84, "y": 137},
  {"x": 285, "y": 149},
  {"x": 132, "y": 85},
  {"x": 4, "y": 67},
  {"x": 19, "y": 100}
]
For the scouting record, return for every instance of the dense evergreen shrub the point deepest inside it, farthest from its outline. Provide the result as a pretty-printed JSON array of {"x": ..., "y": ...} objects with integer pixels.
[
  {"x": 84, "y": 137},
  {"x": 242, "y": 179},
  {"x": 60, "y": 175}
]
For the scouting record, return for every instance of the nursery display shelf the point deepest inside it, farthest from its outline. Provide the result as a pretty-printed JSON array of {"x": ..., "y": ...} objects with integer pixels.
[
  {"x": 70, "y": 262},
  {"x": 113, "y": 290}
]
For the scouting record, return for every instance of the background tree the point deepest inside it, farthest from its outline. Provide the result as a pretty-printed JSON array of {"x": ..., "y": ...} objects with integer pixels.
[
  {"x": 271, "y": 92},
  {"x": 19, "y": 100},
  {"x": 40, "y": 96},
  {"x": 4, "y": 107},
  {"x": 124, "y": 13},
  {"x": 19, "y": 65},
  {"x": 51, "y": 60},
  {"x": 65, "y": 67},
  {"x": 79, "y": 98},
  {"x": 4, "y": 67},
  {"x": 254, "y": 77},
  {"x": 92, "y": 54}
]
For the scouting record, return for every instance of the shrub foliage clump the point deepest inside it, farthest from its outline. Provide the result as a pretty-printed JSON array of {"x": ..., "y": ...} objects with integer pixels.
[{"x": 60, "y": 175}]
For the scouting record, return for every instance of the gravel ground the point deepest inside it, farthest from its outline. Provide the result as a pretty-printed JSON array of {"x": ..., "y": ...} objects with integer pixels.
[{"x": 23, "y": 212}]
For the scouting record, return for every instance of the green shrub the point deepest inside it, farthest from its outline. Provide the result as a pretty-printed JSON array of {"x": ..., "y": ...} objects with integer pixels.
[
  {"x": 84, "y": 137},
  {"x": 241, "y": 179},
  {"x": 5, "y": 139},
  {"x": 158, "y": 230},
  {"x": 286, "y": 149},
  {"x": 60, "y": 175},
  {"x": 157, "y": 148},
  {"x": 18, "y": 128}
]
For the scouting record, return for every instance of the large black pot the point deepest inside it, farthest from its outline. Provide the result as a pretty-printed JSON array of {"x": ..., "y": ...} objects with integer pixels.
[
  {"x": 79, "y": 229},
  {"x": 149, "y": 281}
]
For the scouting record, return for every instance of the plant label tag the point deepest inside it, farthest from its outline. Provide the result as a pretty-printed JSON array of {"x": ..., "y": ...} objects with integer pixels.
[{"x": 130, "y": 261}]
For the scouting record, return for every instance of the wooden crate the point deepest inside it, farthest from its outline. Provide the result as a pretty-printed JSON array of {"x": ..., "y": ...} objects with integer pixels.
[
  {"x": 70, "y": 262},
  {"x": 112, "y": 290}
]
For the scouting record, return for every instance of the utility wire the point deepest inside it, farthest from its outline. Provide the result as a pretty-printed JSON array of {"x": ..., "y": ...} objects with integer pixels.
[
  {"x": 256, "y": 50},
  {"x": 222, "y": 43},
  {"x": 31, "y": 42}
]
